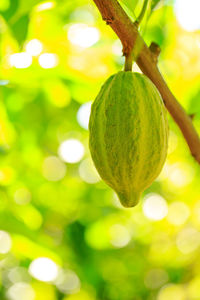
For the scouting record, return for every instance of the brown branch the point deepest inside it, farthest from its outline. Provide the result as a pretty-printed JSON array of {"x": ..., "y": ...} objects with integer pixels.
[{"x": 125, "y": 29}]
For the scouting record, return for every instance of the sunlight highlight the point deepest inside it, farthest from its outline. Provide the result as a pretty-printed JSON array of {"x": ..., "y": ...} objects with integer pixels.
[
  {"x": 155, "y": 207},
  {"x": 187, "y": 13},
  {"x": 83, "y": 35},
  {"x": 21, "y": 291},
  {"x": 43, "y": 269},
  {"x": 18, "y": 274},
  {"x": 5, "y": 242},
  {"x": 4, "y": 82},
  {"x": 155, "y": 278},
  {"x": 34, "y": 47},
  {"x": 45, "y": 6},
  {"x": 188, "y": 240},
  {"x": 71, "y": 151},
  {"x": 88, "y": 172},
  {"x": 53, "y": 169},
  {"x": 178, "y": 213},
  {"x": 172, "y": 292},
  {"x": 22, "y": 196},
  {"x": 173, "y": 142},
  {"x": 181, "y": 174},
  {"x": 119, "y": 236},
  {"x": 117, "y": 48},
  {"x": 67, "y": 282},
  {"x": 48, "y": 60},
  {"x": 20, "y": 60},
  {"x": 83, "y": 114}
]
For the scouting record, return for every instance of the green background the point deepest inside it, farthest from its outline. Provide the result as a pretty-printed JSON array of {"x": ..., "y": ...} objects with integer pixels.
[{"x": 63, "y": 233}]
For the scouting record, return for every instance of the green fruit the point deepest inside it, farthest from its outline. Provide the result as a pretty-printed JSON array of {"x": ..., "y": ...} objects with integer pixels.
[{"x": 128, "y": 134}]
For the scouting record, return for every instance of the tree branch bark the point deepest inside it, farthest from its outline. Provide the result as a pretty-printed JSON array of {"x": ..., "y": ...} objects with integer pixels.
[{"x": 127, "y": 32}]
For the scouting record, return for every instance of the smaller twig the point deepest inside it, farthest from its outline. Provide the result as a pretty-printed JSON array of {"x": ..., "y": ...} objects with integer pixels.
[
  {"x": 192, "y": 116},
  {"x": 141, "y": 15},
  {"x": 155, "y": 50}
]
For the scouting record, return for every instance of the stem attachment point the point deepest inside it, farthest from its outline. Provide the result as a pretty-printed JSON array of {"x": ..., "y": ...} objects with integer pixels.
[{"x": 128, "y": 63}]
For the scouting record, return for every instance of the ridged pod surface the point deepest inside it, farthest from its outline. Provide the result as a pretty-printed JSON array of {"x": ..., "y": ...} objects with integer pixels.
[{"x": 128, "y": 134}]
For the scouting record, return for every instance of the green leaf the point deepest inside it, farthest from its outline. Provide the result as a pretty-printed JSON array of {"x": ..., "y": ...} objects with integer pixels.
[
  {"x": 20, "y": 28},
  {"x": 17, "y": 9},
  {"x": 154, "y": 3},
  {"x": 4, "y": 5},
  {"x": 26, "y": 6},
  {"x": 130, "y": 4},
  {"x": 11, "y": 10}
]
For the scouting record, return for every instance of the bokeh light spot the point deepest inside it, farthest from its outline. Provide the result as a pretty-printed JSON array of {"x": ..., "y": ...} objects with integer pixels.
[
  {"x": 172, "y": 292},
  {"x": 119, "y": 236},
  {"x": 173, "y": 142},
  {"x": 83, "y": 35},
  {"x": 155, "y": 207},
  {"x": 22, "y": 196},
  {"x": 21, "y": 60},
  {"x": 187, "y": 13},
  {"x": 83, "y": 15},
  {"x": 19, "y": 274},
  {"x": 31, "y": 216},
  {"x": 71, "y": 151},
  {"x": 53, "y": 169},
  {"x": 83, "y": 114},
  {"x": 88, "y": 172},
  {"x": 48, "y": 60},
  {"x": 45, "y": 5},
  {"x": 178, "y": 213},
  {"x": 180, "y": 174},
  {"x": 193, "y": 289},
  {"x": 117, "y": 48},
  {"x": 21, "y": 291},
  {"x": 4, "y": 82},
  {"x": 5, "y": 242},
  {"x": 188, "y": 240},
  {"x": 43, "y": 269},
  {"x": 67, "y": 282},
  {"x": 34, "y": 47},
  {"x": 155, "y": 278}
]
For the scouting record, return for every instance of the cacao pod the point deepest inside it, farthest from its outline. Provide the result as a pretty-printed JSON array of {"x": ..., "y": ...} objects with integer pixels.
[{"x": 128, "y": 134}]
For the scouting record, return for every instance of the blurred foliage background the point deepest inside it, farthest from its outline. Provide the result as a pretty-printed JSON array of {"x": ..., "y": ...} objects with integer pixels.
[{"x": 63, "y": 233}]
